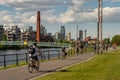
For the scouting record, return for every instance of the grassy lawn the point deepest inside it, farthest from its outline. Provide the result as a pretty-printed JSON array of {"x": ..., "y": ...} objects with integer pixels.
[{"x": 103, "y": 67}]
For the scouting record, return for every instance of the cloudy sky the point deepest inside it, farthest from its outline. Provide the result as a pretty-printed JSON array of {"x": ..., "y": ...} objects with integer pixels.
[{"x": 68, "y": 13}]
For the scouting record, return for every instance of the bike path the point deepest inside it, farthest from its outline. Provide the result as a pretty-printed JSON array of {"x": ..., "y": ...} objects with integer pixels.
[{"x": 21, "y": 73}]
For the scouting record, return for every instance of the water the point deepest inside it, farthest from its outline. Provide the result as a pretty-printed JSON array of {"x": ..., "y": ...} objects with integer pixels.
[
  {"x": 13, "y": 51},
  {"x": 22, "y": 56},
  {"x": 23, "y": 51}
]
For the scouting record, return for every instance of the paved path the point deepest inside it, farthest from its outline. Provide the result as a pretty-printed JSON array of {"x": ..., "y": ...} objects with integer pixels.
[{"x": 21, "y": 73}]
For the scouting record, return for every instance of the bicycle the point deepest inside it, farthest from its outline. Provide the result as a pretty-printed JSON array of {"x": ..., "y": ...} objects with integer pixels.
[
  {"x": 33, "y": 64},
  {"x": 63, "y": 55}
]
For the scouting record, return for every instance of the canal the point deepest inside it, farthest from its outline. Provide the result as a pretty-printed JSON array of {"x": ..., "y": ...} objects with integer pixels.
[{"x": 8, "y": 57}]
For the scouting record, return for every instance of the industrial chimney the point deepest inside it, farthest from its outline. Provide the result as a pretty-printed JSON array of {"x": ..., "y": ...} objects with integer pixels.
[{"x": 38, "y": 27}]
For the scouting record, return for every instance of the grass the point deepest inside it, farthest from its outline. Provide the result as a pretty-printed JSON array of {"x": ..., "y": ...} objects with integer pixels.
[{"x": 103, "y": 67}]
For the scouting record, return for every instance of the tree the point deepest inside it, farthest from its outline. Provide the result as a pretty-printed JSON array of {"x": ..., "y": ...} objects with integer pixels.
[
  {"x": 116, "y": 39},
  {"x": 4, "y": 37},
  {"x": 107, "y": 41}
]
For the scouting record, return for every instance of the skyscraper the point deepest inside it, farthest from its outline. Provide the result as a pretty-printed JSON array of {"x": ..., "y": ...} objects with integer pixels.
[
  {"x": 38, "y": 27},
  {"x": 80, "y": 35},
  {"x": 68, "y": 36},
  {"x": 62, "y": 31}
]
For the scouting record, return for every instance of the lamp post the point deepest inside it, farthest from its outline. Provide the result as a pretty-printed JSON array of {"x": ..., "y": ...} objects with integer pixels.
[
  {"x": 85, "y": 40},
  {"x": 100, "y": 23},
  {"x": 97, "y": 38},
  {"x": 85, "y": 34},
  {"x": 77, "y": 33}
]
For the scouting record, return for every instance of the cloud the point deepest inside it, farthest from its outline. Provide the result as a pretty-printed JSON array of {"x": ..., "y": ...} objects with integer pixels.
[
  {"x": 112, "y": 14},
  {"x": 26, "y": 12},
  {"x": 26, "y": 5},
  {"x": 115, "y": 0},
  {"x": 24, "y": 19}
]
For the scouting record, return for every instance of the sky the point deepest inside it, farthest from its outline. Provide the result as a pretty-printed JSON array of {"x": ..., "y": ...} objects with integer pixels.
[{"x": 68, "y": 13}]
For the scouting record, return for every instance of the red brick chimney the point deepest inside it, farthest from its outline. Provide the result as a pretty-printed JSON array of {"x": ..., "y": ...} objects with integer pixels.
[{"x": 38, "y": 27}]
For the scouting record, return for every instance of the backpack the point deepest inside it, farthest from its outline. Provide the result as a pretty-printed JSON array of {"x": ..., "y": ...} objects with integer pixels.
[{"x": 31, "y": 50}]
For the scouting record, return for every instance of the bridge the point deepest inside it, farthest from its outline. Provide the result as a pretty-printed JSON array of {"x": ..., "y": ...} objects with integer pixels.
[{"x": 46, "y": 44}]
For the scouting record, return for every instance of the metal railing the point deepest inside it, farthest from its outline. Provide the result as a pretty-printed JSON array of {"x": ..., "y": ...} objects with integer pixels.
[
  {"x": 9, "y": 59},
  {"x": 48, "y": 44}
]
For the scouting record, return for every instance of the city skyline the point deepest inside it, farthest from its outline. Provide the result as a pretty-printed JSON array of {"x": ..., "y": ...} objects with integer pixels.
[{"x": 68, "y": 13}]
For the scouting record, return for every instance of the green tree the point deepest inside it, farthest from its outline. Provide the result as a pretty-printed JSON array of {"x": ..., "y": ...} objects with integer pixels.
[
  {"x": 116, "y": 39},
  {"x": 107, "y": 41},
  {"x": 4, "y": 37}
]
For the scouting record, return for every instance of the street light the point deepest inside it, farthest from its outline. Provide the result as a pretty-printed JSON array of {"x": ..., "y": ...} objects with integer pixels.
[
  {"x": 85, "y": 40},
  {"x": 100, "y": 23}
]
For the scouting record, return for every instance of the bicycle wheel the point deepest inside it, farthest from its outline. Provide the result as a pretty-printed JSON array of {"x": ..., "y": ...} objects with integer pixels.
[
  {"x": 37, "y": 65},
  {"x": 30, "y": 66}
]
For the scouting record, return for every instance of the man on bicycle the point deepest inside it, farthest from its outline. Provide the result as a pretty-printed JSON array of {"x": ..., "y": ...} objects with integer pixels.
[
  {"x": 33, "y": 50},
  {"x": 33, "y": 61}
]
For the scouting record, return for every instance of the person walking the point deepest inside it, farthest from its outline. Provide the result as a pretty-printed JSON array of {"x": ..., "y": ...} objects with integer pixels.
[
  {"x": 77, "y": 50},
  {"x": 63, "y": 53}
]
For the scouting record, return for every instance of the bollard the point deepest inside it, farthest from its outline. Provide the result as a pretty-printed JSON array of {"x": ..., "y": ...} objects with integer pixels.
[
  {"x": 4, "y": 60},
  {"x": 48, "y": 55},
  {"x": 17, "y": 59}
]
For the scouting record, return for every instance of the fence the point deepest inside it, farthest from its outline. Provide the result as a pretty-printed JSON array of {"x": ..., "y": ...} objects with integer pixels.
[
  {"x": 48, "y": 44},
  {"x": 8, "y": 59}
]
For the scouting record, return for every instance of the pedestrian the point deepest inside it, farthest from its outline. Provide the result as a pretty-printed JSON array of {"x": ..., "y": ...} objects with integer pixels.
[
  {"x": 77, "y": 50},
  {"x": 81, "y": 47},
  {"x": 95, "y": 48},
  {"x": 63, "y": 53}
]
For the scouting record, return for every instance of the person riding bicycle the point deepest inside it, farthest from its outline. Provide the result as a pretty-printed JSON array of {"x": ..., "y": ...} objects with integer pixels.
[
  {"x": 33, "y": 62},
  {"x": 33, "y": 50}
]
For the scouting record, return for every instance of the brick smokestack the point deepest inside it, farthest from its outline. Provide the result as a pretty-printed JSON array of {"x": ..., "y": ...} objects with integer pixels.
[{"x": 38, "y": 27}]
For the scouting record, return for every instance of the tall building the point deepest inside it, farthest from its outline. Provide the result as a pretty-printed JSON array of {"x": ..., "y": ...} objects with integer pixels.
[
  {"x": 81, "y": 35},
  {"x": 43, "y": 31},
  {"x": 38, "y": 27},
  {"x": 62, "y": 31},
  {"x": 57, "y": 36},
  {"x": 68, "y": 36}
]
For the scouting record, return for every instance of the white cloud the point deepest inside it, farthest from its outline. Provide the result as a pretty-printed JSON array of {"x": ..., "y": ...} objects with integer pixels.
[
  {"x": 32, "y": 4},
  {"x": 115, "y": 0},
  {"x": 73, "y": 14},
  {"x": 25, "y": 19},
  {"x": 111, "y": 14}
]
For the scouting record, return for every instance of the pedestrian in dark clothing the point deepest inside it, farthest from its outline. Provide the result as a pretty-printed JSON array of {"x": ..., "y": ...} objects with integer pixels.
[{"x": 63, "y": 53}]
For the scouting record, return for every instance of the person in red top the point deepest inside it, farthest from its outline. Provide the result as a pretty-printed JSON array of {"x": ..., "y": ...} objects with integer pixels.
[{"x": 114, "y": 45}]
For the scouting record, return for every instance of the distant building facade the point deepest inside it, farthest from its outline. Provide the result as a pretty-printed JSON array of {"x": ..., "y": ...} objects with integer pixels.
[
  {"x": 28, "y": 34},
  {"x": 68, "y": 36},
  {"x": 80, "y": 35},
  {"x": 1, "y": 31},
  {"x": 13, "y": 33},
  {"x": 62, "y": 31},
  {"x": 57, "y": 36}
]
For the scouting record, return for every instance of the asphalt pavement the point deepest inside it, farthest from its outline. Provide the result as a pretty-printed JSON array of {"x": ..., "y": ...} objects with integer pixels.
[{"x": 21, "y": 73}]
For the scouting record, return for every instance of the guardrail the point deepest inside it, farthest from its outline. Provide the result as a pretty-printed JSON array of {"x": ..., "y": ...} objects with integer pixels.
[
  {"x": 48, "y": 44},
  {"x": 9, "y": 59}
]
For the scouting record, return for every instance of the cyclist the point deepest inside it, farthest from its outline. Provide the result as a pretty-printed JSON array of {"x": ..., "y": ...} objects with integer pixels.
[
  {"x": 34, "y": 61},
  {"x": 34, "y": 51}
]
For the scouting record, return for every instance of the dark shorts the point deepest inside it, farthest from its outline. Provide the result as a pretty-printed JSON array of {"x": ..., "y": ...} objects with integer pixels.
[{"x": 35, "y": 58}]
